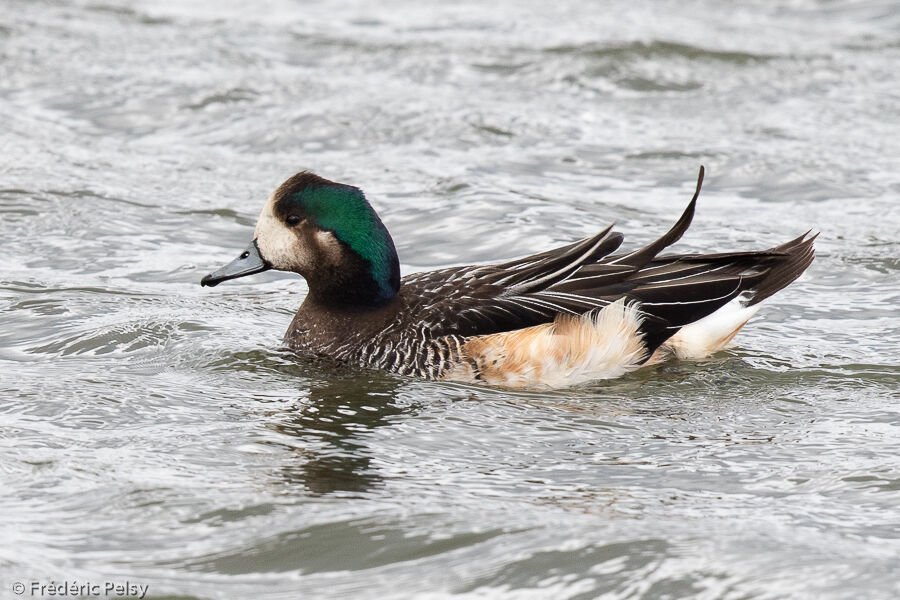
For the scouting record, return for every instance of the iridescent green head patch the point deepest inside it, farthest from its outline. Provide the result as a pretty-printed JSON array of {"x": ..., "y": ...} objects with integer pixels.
[{"x": 344, "y": 211}]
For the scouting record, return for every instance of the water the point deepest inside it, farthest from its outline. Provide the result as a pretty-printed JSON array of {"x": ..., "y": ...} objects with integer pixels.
[{"x": 155, "y": 432}]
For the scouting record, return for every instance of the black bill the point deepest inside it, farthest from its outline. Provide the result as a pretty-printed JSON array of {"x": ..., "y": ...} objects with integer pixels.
[{"x": 248, "y": 263}]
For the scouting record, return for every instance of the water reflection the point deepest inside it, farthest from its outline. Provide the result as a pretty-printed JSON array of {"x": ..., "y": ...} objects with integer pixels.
[{"x": 333, "y": 422}]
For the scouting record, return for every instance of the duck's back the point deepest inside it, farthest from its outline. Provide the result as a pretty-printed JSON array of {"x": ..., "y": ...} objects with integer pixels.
[{"x": 576, "y": 312}]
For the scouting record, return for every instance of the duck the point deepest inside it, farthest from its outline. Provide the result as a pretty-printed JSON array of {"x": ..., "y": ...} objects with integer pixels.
[{"x": 559, "y": 318}]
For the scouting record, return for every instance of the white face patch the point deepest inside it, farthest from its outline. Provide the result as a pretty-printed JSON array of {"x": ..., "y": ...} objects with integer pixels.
[{"x": 278, "y": 245}]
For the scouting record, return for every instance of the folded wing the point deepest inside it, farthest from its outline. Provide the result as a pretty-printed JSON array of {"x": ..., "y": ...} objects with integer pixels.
[{"x": 673, "y": 290}]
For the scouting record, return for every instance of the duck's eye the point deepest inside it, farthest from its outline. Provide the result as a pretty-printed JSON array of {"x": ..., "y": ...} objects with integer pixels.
[
  {"x": 292, "y": 220},
  {"x": 245, "y": 254}
]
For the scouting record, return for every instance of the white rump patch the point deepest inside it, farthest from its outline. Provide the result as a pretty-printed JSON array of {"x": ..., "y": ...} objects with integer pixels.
[{"x": 712, "y": 333}]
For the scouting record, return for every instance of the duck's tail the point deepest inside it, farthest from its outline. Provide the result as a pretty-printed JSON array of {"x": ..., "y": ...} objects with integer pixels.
[
  {"x": 793, "y": 258},
  {"x": 628, "y": 334},
  {"x": 679, "y": 291},
  {"x": 615, "y": 313}
]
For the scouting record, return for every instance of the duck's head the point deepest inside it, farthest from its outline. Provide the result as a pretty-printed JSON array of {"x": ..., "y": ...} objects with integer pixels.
[{"x": 328, "y": 233}]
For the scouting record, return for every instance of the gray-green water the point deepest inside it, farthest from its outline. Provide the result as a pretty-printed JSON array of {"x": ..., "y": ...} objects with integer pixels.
[{"x": 152, "y": 431}]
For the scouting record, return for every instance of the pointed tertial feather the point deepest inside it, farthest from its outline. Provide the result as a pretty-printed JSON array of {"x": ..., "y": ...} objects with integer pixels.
[
  {"x": 573, "y": 279},
  {"x": 613, "y": 270},
  {"x": 578, "y": 285},
  {"x": 543, "y": 269},
  {"x": 640, "y": 257}
]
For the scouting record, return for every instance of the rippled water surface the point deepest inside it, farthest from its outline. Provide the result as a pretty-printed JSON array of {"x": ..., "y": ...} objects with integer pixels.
[{"x": 155, "y": 432}]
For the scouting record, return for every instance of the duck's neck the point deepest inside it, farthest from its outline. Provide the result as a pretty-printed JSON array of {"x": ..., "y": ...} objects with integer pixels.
[{"x": 358, "y": 283}]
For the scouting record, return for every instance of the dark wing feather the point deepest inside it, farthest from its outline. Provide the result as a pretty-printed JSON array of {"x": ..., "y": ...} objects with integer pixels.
[
  {"x": 673, "y": 290},
  {"x": 542, "y": 270}
]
